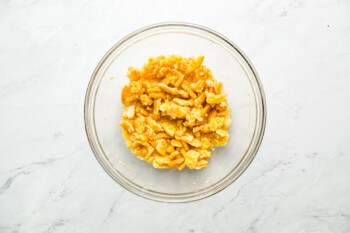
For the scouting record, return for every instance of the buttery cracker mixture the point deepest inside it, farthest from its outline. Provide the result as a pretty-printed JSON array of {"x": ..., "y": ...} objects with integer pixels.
[{"x": 175, "y": 112}]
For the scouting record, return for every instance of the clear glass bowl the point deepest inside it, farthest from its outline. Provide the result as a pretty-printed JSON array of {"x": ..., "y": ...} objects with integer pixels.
[{"x": 230, "y": 66}]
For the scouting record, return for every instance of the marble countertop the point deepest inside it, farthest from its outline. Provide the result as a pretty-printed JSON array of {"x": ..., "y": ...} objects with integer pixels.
[{"x": 51, "y": 182}]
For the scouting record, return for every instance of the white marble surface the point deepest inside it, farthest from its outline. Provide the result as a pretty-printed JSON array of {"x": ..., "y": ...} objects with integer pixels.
[{"x": 50, "y": 180}]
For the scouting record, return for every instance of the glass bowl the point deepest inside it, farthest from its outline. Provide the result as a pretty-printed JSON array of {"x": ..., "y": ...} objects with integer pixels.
[{"x": 230, "y": 66}]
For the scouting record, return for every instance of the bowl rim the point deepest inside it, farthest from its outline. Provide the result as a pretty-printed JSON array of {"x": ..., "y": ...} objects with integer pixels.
[{"x": 198, "y": 195}]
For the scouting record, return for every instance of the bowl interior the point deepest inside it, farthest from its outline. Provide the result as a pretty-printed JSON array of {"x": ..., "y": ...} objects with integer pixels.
[{"x": 104, "y": 109}]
